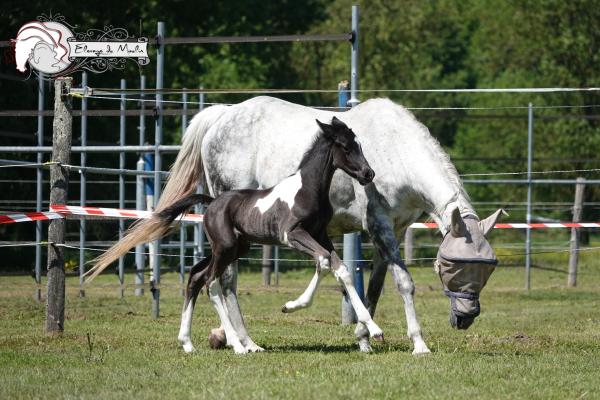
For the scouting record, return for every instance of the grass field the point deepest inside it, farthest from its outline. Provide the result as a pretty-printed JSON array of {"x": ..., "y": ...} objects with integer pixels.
[{"x": 542, "y": 344}]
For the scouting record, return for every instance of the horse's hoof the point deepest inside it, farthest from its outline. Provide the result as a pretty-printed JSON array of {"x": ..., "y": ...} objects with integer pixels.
[
  {"x": 421, "y": 350},
  {"x": 421, "y": 353},
  {"x": 364, "y": 346},
  {"x": 188, "y": 347},
  {"x": 239, "y": 349},
  {"x": 284, "y": 309},
  {"x": 254, "y": 348}
]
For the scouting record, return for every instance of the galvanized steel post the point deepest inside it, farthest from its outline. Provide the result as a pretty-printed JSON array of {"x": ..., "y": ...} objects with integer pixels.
[
  {"x": 198, "y": 227},
  {"x": 39, "y": 194},
  {"x": 83, "y": 184},
  {"x": 529, "y": 195},
  {"x": 351, "y": 253},
  {"x": 140, "y": 203},
  {"x": 575, "y": 233},
  {"x": 122, "y": 127},
  {"x": 276, "y": 265},
  {"x": 182, "y": 226},
  {"x": 160, "y": 62}
]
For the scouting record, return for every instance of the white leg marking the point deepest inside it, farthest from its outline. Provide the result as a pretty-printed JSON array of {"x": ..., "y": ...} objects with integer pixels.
[
  {"x": 306, "y": 298},
  {"x": 252, "y": 347},
  {"x": 362, "y": 314},
  {"x": 285, "y": 239},
  {"x": 324, "y": 263},
  {"x": 362, "y": 333},
  {"x": 216, "y": 297},
  {"x": 406, "y": 288},
  {"x": 285, "y": 191},
  {"x": 185, "y": 330}
]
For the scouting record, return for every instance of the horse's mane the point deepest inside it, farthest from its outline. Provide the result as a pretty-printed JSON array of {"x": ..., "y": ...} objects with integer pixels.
[{"x": 448, "y": 169}]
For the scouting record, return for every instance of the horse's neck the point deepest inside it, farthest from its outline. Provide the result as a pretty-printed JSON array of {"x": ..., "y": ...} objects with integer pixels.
[
  {"x": 318, "y": 169},
  {"x": 442, "y": 201}
]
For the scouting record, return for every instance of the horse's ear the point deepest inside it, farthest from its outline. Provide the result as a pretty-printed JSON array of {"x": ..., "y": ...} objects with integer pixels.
[
  {"x": 338, "y": 123},
  {"x": 327, "y": 129},
  {"x": 487, "y": 224},
  {"x": 457, "y": 225}
]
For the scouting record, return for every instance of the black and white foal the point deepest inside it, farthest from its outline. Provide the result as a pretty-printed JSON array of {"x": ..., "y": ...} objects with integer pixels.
[{"x": 294, "y": 212}]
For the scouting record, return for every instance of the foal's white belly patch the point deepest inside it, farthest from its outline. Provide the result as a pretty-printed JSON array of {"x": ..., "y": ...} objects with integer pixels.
[{"x": 285, "y": 191}]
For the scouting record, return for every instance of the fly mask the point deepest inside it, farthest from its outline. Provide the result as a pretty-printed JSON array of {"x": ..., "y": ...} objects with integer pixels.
[{"x": 464, "y": 262}]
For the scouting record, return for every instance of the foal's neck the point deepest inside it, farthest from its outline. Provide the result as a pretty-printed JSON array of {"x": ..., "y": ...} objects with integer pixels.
[{"x": 317, "y": 168}]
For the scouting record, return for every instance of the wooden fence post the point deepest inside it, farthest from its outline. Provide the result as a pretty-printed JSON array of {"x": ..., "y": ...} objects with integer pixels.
[
  {"x": 574, "y": 255},
  {"x": 59, "y": 184},
  {"x": 267, "y": 264}
]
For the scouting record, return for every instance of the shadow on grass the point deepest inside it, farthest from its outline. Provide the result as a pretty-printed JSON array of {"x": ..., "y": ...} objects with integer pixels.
[{"x": 341, "y": 348}]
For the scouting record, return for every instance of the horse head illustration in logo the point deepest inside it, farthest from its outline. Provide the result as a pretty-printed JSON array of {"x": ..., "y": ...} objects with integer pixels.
[{"x": 44, "y": 45}]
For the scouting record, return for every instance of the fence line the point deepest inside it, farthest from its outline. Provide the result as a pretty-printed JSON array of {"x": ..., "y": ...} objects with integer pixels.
[
  {"x": 260, "y": 259},
  {"x": 176, "y": 148},
  {"x": 475, "y": 108},
  {"x": 165, "y": 91}
]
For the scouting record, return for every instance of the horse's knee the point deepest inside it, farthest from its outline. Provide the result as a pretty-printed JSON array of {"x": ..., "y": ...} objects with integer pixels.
[
  {"x": 403, "y": 280},
  {"x": 324, "y": 263},
  {"x": 342, "y": 274}
]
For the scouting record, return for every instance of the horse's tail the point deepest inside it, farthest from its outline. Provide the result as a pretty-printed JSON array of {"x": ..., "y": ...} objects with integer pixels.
[
  {"x": 182, "y": 206},
  {"x": 183, "y": 181}
]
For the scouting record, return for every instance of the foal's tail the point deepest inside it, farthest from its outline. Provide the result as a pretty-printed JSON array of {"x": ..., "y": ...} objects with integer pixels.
[
  {"x": 183, "y": 181},
  {"x": 182, "y": 206}
]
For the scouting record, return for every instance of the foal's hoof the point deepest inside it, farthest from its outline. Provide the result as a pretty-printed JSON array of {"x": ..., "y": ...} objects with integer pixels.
[
  {"x": 284, "y": 309},
  {"x": 378, "y": 337},
  {"x": 216, "y": 339}
]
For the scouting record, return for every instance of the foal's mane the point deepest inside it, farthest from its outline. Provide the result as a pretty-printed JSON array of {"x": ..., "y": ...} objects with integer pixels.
[{"x": 313, "y": 148}]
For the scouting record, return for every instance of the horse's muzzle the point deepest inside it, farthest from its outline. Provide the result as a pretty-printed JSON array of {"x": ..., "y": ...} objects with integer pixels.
[
  {"x": 458, "y": 322},
  {"x": 366, "y": 176}
]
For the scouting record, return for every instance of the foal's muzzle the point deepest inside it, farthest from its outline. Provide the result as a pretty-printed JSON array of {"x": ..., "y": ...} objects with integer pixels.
[{"x": 366, "y": 176}]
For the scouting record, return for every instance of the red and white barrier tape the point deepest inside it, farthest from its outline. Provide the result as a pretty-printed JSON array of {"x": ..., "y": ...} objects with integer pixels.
[
  {"x": 518, "y": 225},
  {"x": 10, "y": 218},
  {"x": 115, "y": 213},
  {"x": 89, "y": 212}
]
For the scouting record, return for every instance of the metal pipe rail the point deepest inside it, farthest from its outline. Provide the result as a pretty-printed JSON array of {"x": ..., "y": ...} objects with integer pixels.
[
  {"x": 93, "y": 149},
  {"x": 257, "y": 39},
  {"x": 528, "y": 181},
  {"x": 96, "y": 170},
  {"x": 98, "y": 113}
]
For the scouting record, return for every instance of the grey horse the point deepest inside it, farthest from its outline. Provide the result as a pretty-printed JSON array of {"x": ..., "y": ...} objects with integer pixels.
[{"x": 259, "y": 142}]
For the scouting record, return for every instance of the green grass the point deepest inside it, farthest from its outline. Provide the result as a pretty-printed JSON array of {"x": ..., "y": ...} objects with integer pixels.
[{"x": 541, "y": 344}]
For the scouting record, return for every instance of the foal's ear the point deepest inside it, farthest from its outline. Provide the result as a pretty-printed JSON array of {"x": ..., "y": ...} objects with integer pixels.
[
  {"x": 337, "y": 123},
  {"x": 328, "y": 130}
]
